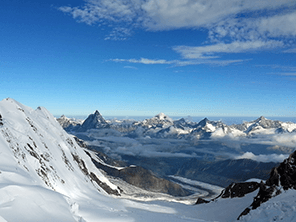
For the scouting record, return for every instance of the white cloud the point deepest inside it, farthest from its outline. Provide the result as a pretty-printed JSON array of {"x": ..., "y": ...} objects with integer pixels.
[
  {"x": 234, "y": 26},
  {"x": 263, "y": 158},
  {"x": 287, "y": 139},
  {"x": 209, "y": 51},
  {"x": 175, "y": 14},
  {"x": 130, "y": 67},
  {"x": 178, "y": 62},
  {"x": 279, "y": 25},
  {"x": 96, "y": 11},
  {"x": 293, "y": 50},
  {"x": 144, "y": 61}
]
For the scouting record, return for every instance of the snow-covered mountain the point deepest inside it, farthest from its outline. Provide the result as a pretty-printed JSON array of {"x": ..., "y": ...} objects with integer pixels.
[
  {"x": 207, "y": 141},
  {"x": 36, "y": 153},
  {"x": 68, "y": 123},
  {"x": 162, "y": 126}
]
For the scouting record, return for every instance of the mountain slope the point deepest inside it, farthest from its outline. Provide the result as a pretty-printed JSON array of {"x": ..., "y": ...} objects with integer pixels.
[{"x": 37, "y": 157}]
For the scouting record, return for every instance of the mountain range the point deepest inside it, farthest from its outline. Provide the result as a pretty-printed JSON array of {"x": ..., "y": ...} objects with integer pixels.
[
  {"x": 162, "y": 126},
  {"x": 47, "y": 174}
]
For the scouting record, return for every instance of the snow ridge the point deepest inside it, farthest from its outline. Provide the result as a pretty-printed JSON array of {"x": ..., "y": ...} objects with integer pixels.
[{"x": 37, "y": 154}]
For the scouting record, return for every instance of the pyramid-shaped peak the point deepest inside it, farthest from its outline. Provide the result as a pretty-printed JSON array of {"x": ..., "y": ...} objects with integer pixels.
[
  {"x": 95, "y": 121},
  {"x": 97, "y": 113},
  {"x": 261, "y": 118},
  {"x": 204, "y": 121}
]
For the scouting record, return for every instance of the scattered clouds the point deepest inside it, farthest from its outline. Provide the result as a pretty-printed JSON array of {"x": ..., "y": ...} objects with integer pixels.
[
  {"x": 175, "y": 14},
  {"x": 119, "y": 34},
  {"x": 100, "y": 11},
  {"x": 233, "y": 26},
  {"x": 277, "y": 158}
]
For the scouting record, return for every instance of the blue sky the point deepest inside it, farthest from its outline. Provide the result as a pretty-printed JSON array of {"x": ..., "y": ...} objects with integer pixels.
[{"x": 136, "y": 57}]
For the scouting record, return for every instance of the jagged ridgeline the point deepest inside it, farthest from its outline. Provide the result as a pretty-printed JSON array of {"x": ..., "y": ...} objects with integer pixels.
[{"x": 162, "y": 126}]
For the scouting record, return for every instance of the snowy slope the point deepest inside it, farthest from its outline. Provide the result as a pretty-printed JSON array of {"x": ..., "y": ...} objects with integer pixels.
[
  {"x": 280, "y": 208},
  {"x": 41, "y": 167}
]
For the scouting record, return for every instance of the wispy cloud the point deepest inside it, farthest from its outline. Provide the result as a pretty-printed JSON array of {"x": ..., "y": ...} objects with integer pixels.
[
  {"x": 288, "y": 74},
  {"x": 144, "y": 61},
  {"x": 209, "y": 51},
  {"x": 130, "y": 67},
  {"x": 119, "y": 33},
  {"x": 293, "y": 50},
  {"x": 175, "y": 63}
]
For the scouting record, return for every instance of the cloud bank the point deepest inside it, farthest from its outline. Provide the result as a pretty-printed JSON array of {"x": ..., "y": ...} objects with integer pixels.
[{"x": 277, "y": 158}]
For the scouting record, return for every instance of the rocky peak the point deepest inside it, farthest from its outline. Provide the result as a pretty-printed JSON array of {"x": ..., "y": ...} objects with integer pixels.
[
  {"x": 95, "y": 121},
  {"x": 285, "y": 174},
  {"x": 267, "y": 123},
  {"x": 97, "y": 113},
  {"x": 261, "y": 118},
  {"x": 203, "y": 122}
]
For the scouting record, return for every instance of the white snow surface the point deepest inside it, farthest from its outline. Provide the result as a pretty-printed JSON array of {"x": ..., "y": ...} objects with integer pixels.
[{"x": 280, "y": 208}]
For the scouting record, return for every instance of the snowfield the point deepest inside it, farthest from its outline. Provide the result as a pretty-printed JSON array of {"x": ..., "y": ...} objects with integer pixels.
[{"x": 280, "y": 208}]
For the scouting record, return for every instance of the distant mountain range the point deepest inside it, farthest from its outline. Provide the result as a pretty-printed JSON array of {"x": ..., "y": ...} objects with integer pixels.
[{"x": 162, "y": 126}]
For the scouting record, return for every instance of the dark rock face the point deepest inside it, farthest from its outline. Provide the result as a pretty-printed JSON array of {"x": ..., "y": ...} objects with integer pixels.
[
  {"x": 239, "y": 189},
  {"x": 93, "y": 177},
  {"x": 285, "y": 174},
  {"x": 281, "y": 177},
  {"x": 234, "y": 190},
  {"x": 103, "y": 185},
  {"x": 144, "y": 179},
  {"x": 94, "y": 121}
]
